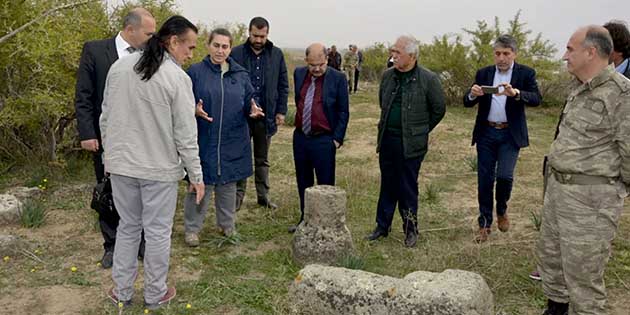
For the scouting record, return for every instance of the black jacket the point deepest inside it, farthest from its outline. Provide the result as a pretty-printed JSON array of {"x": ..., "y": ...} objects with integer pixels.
[
  {"x": 276, "y": 80},
  {"x": 96, "y": 58},
  {"x": 524, "y": 79}
]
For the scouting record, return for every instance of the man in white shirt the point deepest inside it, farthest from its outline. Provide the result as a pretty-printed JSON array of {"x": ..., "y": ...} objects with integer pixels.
[
  {"x": 620, "y": 56},
  {"x": 96, "y": 59},
  {"x": 502, "y": 91}
]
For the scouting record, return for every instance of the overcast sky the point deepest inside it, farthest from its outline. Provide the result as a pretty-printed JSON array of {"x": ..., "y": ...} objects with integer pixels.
[{"x": 297, "y": 23}]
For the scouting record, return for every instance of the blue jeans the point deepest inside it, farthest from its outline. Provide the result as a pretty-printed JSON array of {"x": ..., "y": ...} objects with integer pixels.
[{"x": 496, "y": 158}]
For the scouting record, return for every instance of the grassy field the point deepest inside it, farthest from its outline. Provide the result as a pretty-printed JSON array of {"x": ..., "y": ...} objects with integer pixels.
[{"x": 250, "y": 274}]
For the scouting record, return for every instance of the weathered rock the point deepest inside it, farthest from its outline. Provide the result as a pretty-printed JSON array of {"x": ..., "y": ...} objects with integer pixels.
[
  {"x": 7, "y": 242},
  {"x": 323, "y": 236},
  {"x": 10, "y": 208},
  {"x": 24, "y": 193},
  {"x": 324, "y": 290}
]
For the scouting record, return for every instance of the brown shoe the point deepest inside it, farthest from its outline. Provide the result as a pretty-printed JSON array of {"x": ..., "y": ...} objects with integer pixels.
[
  {"x": 503, "y": 222},
  {"x": 483, "y": 235}
]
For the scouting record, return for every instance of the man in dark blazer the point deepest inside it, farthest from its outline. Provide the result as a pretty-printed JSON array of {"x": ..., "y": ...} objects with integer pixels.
[
  {"x": 620, "y": 56},
  {"x": 321, "y": 119},
  {"x": 96, "y": 59},
  {"x": 500, "y": 128},
  {"x": 268, "y": 75}
]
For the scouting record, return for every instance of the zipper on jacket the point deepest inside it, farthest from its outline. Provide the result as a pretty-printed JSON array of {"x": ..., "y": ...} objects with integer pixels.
[{"x": 220, "y": 128}]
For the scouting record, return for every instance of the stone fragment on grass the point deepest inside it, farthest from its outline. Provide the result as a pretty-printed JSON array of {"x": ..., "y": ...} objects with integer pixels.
[
  {"x": 10, "y": 208},
  {"x": 7, "y": 242},
  {"x": 325, "y": 290},
  {"x": 24, "y": 193},
  {"x": 323, "y": 236}
]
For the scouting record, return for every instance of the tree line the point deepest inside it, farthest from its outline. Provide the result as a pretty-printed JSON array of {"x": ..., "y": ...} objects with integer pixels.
[{"x": 41, "y": 41}]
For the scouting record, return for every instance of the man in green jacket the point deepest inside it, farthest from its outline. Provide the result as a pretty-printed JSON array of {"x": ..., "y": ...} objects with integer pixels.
[{"x": 412, "y": 104}]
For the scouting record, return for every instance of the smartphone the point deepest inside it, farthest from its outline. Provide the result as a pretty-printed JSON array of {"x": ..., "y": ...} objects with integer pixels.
[{"x": 487, "y": 89}]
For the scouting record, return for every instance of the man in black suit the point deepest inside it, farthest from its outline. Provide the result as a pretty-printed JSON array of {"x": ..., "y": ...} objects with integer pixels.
[
  {"x": 620, "y": 56},
  {"x": 96, "y": 59},
  {"x": 321, "y": 119},
  {"x": 500, "y": 129}
]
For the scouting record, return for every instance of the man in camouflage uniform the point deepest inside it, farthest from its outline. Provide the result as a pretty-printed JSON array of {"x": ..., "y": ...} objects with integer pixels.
[
  {"x": 588, "y": 177},
  {"x": 350, "y": 62}
]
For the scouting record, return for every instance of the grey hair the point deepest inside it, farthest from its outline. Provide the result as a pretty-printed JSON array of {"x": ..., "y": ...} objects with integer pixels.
[
  {"x": 505, "y": 41},
  {"x": 134, "y": 17},
  {"x": 600, "y": 38},
  {"x": 308, "y": 51},
  {"x": 411, "y": 45}
]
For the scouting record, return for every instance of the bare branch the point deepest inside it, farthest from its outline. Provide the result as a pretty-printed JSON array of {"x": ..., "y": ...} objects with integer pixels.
[{"x": 43, "y": 15}]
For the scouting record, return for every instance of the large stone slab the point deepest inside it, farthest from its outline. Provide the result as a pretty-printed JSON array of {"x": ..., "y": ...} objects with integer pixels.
[
  {"x": 325, "y": 290},
  {"x": 10, "y": 208},
  {"x": 323, "y": 236}
]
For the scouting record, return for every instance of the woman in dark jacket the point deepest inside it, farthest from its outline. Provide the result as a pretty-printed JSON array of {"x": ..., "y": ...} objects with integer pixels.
[{"x": 224, "y": 92}]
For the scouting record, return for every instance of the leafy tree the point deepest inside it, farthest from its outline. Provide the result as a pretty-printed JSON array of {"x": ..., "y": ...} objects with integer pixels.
[
  {"x": 374, "y": 61},
  {"x": 40, "y": 46}
]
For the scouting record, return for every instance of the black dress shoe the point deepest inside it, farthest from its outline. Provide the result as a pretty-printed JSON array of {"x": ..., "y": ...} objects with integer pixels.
[
  {"x": 411, "y": 238},
  {"x": 108, "y": 259},
  {"x": 267, "y": 204},
  {"x": 556, "y": 308},
  {"x": 376, "y": 234}
]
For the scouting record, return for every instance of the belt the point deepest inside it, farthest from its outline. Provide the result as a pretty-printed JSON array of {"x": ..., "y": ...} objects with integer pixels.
[
  {"x": 498, "y": 125},
  {"x": 582, "y": 179},
  {"x": 314, "y": 133}
]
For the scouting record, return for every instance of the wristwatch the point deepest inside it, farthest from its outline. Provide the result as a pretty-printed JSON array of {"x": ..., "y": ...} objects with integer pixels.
[{"x": 518, "y": 95}]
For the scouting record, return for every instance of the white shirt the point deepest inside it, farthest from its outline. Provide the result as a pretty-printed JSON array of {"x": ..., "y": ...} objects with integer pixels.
[
  {"x": 497, "y": 107},
  {"x": 121, "y": 46},
  {"x": 622, "y": 67}
]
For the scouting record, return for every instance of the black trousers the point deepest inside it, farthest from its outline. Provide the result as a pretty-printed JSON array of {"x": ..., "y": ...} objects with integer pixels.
[
  {"x": 108, "y": 220},
  {"x": 399, "y": 185},
  {"x": 313, "y": 155},
  {"x": 262, "y": 142},
  {"x": 356, "y": 79}
]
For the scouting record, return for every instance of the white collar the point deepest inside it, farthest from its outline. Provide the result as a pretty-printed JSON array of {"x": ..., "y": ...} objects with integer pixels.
[{"x": 121, "y": 43}]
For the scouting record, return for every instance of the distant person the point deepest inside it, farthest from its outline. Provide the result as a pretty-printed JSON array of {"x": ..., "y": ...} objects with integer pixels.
[
  {"x": 268, "y": 75},
  {"x": 334, "y": 58},
  {"x": 224, "y": 93},
  {"x": 357, "y": 69},
  {"x": 149, "y": 135},
  {"x": 350, "y": 61},
  {"x": 321, "y": 119},
  {"x": 96, "y": 59},
  {"x": 500, "y": 129},
  {"x": 403, "y": 136},
  {"x": 620, "y": 56},
  {"x": 588, "y": 178}
]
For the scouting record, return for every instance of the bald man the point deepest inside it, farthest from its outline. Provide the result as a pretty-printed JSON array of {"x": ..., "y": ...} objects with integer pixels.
[
  {"x": 321, "y": 119},
  {"x": 96, "y": 59},
  {"x": 587, "y": 179}
]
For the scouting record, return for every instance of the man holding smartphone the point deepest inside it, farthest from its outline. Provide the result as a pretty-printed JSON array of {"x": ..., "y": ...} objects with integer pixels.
[{"x": 502, "y": 91}]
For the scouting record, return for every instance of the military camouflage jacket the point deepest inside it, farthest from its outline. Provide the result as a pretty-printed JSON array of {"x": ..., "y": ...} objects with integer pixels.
[
  {"x": 350, "y": 60},
  {"x": 594, "y": 132}
]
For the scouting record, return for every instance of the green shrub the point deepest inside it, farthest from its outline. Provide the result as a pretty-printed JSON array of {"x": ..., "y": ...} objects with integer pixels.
[{"x": 33, "y": 214}]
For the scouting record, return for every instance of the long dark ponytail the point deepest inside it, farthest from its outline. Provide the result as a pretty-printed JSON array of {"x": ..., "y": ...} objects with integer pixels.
[{"x": 153, "y": 54}]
